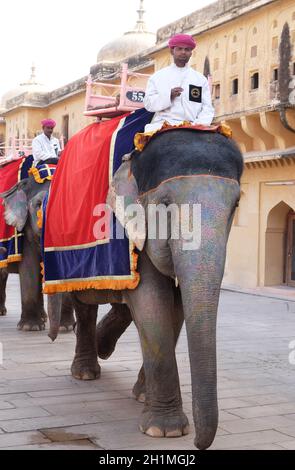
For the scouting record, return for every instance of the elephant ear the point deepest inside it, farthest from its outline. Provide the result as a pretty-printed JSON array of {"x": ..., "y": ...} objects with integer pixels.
[
  {"x": 35, "y": 204},
  {"x": 16, "y": 206},
  {"x": 123, "y": 199}
]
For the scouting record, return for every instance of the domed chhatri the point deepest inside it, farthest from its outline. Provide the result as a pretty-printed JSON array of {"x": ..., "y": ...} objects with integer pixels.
[
  {"x": 131, "y": 43},
  {"x": 29, "y": 87}
]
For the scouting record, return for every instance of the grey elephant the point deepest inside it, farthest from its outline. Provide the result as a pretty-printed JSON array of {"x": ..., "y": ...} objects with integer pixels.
[
  {"x": 178, "y": 168},
  {"x": 21, "y": 205}
]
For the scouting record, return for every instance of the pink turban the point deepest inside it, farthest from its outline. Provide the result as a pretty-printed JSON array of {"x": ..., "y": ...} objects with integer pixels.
[
  {"x": 182, "y": 40},
  {"x": 48, "y": 123}
]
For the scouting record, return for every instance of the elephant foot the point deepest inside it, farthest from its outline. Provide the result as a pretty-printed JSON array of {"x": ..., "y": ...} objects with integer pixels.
[
  {"x": 3, "y": 311},
  {"x": 173, "y": 424},
  {"x": 138, "y": 390},
  {"x": 44, "y": 316},
  {"x": 85, "y": 370},
  {"x": 110, "y": 328},
  {"x": 67, "y": 325},
  {"x": 25, "y": 324},
  {"x": 66, "y": 328},
  {"x": 67, "y": 321}
]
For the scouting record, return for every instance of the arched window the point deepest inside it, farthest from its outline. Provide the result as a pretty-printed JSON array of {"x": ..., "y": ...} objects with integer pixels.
[
  {"x": 255, "y": 81},
  {"x": 216, "y": 91}
]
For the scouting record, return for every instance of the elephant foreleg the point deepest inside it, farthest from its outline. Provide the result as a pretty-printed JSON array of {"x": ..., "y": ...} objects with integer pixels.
[
  {"x": 33, "y": 316},
  {"x": 177, "y": 319},
  {"x": 3, "y": 281},
  {"x": 110, "y": 328},
  {"x": 85, "y": 365},
  {"x": 152, "y": 304}
]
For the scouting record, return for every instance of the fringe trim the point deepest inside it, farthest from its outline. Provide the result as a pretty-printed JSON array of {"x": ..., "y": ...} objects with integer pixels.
[
  {"x": 40, "y": 218},
  {"x": 11, "y": 259},
  {"x": 42, "y": 269},
  {"x": 141, "y": 139},
  {"x": 100, "y": 284}
]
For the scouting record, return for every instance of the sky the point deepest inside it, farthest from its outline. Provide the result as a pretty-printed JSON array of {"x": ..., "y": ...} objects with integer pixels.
[{"x": 62, "y": 37}]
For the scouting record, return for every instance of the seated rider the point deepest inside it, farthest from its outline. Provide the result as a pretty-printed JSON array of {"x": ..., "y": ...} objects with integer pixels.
[
  {"x": 178, "y": 93},
  {"x": 46, "y": 148}
]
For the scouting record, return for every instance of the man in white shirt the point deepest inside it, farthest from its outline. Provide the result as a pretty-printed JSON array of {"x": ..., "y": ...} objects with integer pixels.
[
  {"x": 178, "y": 93},
  {"x": 46, "y": 148}
]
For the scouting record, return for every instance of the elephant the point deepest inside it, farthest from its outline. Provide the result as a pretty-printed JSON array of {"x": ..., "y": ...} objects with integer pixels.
[
  {"x": 179, "y": 280},
  {"x": 26, "y": 198}
]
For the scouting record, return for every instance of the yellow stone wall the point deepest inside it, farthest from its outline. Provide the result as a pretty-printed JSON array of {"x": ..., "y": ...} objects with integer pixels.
[
  {"x": 229, "y": 50},
  {"x": 23, "y": 123},
  {"x": 236, "y": 49},
  {"x": 73, "y": 107},
  {"x": 256, "y": 248}
]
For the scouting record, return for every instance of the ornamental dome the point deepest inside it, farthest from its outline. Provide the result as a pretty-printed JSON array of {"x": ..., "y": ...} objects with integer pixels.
[
  {"x": 29, "y": 87},
  {"x": 131, "y": 43}
]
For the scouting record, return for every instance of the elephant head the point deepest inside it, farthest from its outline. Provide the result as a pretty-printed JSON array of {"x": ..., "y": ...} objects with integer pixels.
[
  {"x": 193, "y": 180},
  {"x": 22, "y": 202}
]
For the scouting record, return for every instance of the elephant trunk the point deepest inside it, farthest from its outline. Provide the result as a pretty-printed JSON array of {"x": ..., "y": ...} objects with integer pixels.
[
  {"x": 199, "y": 272},
  {"x": 200, "y": 295},
  {"x": 201, "y": 332},
  {"x": 54, "y": 314}
]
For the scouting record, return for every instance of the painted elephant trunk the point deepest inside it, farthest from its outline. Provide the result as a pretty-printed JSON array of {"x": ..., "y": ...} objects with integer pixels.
[
  {"x": 200, "y": 302},
  {"x": 200, "y": 296},
  {"x": 54, "y": 314}
]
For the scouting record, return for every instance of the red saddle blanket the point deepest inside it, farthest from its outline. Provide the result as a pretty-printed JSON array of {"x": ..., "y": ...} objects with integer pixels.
[
  {"x": 10, "y": 239},
  {"x": 81, "y": 249}
]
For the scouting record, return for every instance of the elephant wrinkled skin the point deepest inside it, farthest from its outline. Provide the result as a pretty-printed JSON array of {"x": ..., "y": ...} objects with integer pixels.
[{"x": 177, "y": 168}]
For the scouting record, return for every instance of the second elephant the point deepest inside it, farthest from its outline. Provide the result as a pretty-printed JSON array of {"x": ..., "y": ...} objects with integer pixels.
[{"x": 33, "y": 315}]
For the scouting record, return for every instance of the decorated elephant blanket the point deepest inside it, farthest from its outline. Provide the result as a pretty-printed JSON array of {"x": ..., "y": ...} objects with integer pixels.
[
  {"x": 43, "y": 172},
  {"x": 80, "y": 250},
  {"x": 10, "y": 239},
  {"x": 141, "y": 139}
]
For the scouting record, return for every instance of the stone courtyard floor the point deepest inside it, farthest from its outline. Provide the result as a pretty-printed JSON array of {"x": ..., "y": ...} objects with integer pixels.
[{"x": 43, "y": 407}]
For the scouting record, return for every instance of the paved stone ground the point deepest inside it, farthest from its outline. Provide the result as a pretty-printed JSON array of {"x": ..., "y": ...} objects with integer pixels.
[{"x": 43, "y": 407}]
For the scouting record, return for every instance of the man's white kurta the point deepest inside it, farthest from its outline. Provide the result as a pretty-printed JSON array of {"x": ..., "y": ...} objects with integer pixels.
[
  {"x": 182, "y": 108},
  {"x": 44, "y": 148}
]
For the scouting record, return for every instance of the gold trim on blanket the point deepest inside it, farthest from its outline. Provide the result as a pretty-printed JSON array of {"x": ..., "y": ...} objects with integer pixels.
[{"x": 78, "y": 247}]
